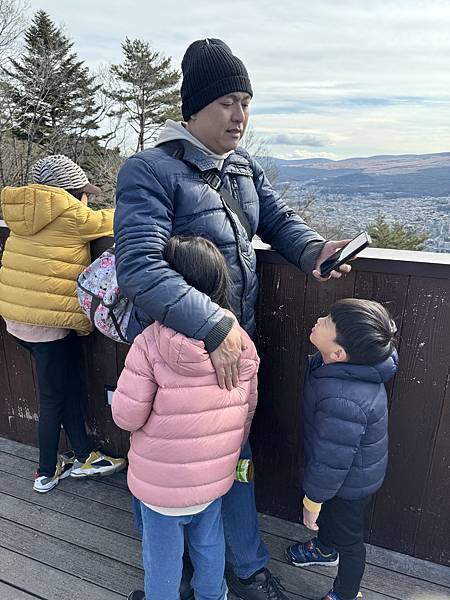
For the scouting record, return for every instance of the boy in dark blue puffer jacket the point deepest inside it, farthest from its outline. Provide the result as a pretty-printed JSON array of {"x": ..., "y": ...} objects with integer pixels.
[{"x": 346, "y": 436}]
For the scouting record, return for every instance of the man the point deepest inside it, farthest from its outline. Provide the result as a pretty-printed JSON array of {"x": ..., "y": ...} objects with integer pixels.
[{"x": 162, "y": 192}]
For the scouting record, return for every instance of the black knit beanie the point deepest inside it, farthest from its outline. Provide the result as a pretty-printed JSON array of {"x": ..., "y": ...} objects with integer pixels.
[{"x": 210, "y": 70}]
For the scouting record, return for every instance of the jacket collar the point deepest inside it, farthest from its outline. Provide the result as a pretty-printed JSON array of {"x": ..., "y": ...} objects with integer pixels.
[
  {"x": 234, "y": 163},
  {"x": 380, "y": 373}
]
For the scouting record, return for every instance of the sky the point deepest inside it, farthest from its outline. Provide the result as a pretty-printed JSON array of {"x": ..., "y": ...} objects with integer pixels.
[{"x": 332, "y": 79}]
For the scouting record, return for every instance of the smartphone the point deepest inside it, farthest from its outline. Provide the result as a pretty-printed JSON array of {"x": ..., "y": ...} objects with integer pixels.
[{"x": 355, "y": 246}]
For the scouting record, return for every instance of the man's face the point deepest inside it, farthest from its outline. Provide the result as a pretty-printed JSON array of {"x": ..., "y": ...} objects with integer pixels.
[
  {"x": 323, "y": 336},
  {"x": 222, "y": 123}
]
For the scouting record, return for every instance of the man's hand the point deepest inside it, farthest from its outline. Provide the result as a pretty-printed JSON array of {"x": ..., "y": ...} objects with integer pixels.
[
  {"x": 225, "y": 359},
  {"x": 328, "y": 250},
  {"x": 309, "y": 519}
]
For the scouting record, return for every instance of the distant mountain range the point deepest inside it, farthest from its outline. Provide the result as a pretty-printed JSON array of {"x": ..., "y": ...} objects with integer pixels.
[{"x": 395, "y": 176}]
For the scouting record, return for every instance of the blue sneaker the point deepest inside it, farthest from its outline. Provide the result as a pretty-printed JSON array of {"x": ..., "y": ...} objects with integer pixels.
[
  {"x": 303, "y": 555},
  {"x": 333, "y": 596}
]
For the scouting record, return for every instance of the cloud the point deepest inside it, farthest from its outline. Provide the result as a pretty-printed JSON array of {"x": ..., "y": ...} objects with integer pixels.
[
  {"x": 286, "y": 139},
  {"x": 303, "y": 154},
  {"x": 373, "y": 76}
]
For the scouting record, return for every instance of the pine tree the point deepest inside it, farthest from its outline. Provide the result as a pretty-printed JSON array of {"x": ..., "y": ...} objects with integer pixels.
[
  {"x": 396, "y": 236},
  {"x": 147, "y": 94},
  {"x": 51, "y": 91}
]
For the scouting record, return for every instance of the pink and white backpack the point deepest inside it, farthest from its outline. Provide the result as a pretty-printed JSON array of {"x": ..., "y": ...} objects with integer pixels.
[{"x": 101, "y": 300}]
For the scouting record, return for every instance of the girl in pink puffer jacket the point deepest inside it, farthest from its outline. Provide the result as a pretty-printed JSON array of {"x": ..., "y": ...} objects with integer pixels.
[{"x": 187, "y": 434}]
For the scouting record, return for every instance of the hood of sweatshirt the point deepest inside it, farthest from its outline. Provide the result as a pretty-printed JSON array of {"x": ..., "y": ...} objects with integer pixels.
[
  {"x": 188, "y": 356},
  {"x": 176, "y": 131},
  {"x": 380, "y": 373},
  {"x": 28, "y": 209}
]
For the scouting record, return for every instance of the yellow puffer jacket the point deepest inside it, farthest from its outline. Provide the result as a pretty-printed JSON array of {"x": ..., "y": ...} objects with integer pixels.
[{"x": 47, "y": 249}]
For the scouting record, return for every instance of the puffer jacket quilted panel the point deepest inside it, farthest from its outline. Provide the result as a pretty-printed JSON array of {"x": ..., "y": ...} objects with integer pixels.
[
  {"x": 345, "y": 418},
  {"x": 47, "y": 249},
  {"x": 187, "y": 432},
  {"x": 159, "y": 196}
]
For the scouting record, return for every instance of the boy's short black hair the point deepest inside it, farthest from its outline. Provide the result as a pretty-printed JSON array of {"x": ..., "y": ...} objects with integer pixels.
[{"x": 364, "y": 329}]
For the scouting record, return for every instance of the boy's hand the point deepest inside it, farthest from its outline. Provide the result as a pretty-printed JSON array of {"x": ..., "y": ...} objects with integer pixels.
[{"x": 309, "y": 519}]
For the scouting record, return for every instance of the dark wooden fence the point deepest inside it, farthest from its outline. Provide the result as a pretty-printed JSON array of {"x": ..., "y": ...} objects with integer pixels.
[{"x": 411, "y": 513}]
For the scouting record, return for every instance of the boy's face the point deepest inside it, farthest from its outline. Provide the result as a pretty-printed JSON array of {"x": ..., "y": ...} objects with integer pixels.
[{"x": 323, "y": 336}]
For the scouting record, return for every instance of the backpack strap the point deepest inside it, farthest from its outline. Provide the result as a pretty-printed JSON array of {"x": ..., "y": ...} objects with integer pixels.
[{"x": 212, "y": 178}]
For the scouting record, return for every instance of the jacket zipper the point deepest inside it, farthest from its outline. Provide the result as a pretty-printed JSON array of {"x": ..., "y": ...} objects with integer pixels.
[{"x": 235, "y": 192}]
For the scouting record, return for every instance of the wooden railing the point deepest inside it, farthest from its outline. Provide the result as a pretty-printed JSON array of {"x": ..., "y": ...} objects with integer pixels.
[{"x": 411, "y": 513}]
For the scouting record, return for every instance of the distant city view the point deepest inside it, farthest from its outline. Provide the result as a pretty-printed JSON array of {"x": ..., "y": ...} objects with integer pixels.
[{"x": 347, "y": 196}]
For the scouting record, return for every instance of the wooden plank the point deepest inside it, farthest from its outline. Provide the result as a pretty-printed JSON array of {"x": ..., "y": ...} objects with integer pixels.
[
  {"x": 414, "y": 416},
  {"x": 433, "y": 534},
  {"x": 275, "y": 433},
  {"x": 88, "y": 511},
  {"x": 31, "y": 453},
  {"x": 18, "y": 449},
  {"x": 48, "y": 582},
  {"x": 84, "y": 488},
  {"x": 100, "y": 371},
  {"x": 10, "y": 593},
  {"x": 70, "y": 529},
  {"x": 314, "y": 585},
  {"x": 7, "y": 420},
  {"x": 37, "y": 513},
  {"x": 376, "y": 580},
  {"x": 23, "y": 391},
  {"x": 384, "y": 260},
  {"x": 392, "y": 292},
  {"x": 110, "y": 574},
  {"x": 387, "y": 559},
  {"x": 121, "y": 354}
]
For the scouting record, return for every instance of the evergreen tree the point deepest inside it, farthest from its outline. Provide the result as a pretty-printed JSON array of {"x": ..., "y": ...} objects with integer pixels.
[
  {"x": 146, "y": 93},
  {"x": 51, "y": 91},
  {"x": 396, "y": 236}
]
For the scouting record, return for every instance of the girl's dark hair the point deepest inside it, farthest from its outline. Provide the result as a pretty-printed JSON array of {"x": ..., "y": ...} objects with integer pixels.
[
  {"x": 202, "y": 265},
  {"x": 364, "y": 329}
]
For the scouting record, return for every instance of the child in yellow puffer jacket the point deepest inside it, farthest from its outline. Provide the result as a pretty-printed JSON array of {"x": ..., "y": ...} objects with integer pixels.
[{"x": 51, "y": 227}]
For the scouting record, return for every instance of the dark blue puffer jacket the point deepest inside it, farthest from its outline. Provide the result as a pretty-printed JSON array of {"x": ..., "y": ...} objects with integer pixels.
[
  {"x": 346, "y": 428},
  {"x": 159, "y": 196}
]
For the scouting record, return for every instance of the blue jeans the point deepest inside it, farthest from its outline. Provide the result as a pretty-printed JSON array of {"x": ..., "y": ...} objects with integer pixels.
[
  {"x": 163, "y": 547},
  {"x": 246, "y": 553}
]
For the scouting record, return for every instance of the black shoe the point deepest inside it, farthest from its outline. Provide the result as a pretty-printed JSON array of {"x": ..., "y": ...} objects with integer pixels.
[
  {"x": 136, "y": 595},
  {"x": 186, "y": 592},
  {"x": 264, "y": 587}
]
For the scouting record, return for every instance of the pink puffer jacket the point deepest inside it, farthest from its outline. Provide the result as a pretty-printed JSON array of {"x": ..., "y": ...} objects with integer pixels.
[{"x": 187, "y": 431}]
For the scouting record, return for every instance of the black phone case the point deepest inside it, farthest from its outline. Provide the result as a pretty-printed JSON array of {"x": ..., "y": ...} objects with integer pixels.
[{"x": 332, "y": 263}]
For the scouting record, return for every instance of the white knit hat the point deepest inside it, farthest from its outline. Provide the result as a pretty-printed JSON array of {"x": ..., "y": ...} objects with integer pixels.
[{"x": 59, "y": 171}]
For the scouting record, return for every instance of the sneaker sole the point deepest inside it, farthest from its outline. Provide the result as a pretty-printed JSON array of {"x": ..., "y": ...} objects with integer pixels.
[
  {"x": 332, "y": 563},
  {"x": 85, "y": 474},
  {"x": 44, "y": 491}
]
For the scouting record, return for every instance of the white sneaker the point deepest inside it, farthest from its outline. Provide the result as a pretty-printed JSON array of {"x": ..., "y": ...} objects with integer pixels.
[
  {"x": 97, "y": 464},
  {"x": 43, "y": 483}
]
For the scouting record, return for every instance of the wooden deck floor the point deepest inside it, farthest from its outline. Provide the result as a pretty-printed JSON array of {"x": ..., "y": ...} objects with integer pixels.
[{"x": 78, "y": 543}]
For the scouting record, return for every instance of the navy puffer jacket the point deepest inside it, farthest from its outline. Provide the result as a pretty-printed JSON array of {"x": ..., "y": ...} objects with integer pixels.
[
  {"x": 346, "y": 428},
  {"x": 159, "y": 196}
]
